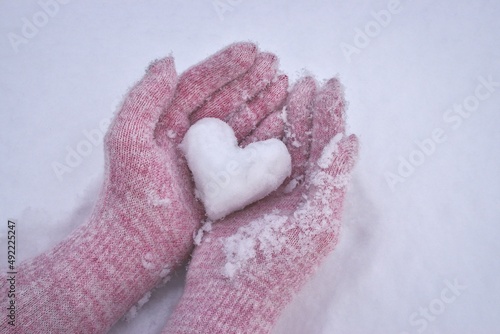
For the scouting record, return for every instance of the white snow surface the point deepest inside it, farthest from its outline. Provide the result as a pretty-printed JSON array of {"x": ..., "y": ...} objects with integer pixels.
[
  {"x": 419, "y": 246},
  {"x": 228, "y": 177}
]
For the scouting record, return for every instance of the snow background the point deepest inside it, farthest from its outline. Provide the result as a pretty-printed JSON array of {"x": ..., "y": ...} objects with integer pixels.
[{"x": 399, "y": 247}]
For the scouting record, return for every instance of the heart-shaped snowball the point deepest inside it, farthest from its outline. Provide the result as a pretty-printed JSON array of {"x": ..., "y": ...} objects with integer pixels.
[{"x": 228, "y": 177}]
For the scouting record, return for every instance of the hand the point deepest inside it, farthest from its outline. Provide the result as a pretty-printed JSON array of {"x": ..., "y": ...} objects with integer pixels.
[
  {"x": 143, "y": 222},
  {"x": 249, "y": 265},
  {"x": 147, "y": 178}
]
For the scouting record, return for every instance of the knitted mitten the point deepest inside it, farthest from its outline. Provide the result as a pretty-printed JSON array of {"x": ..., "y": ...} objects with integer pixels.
[
  {"x": 143, "y": 221},
  {"x": 249, "y": 265}
]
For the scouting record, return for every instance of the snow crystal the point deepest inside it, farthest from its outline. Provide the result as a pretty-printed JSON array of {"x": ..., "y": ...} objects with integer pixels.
[
  {"x": 322, "y": 179},
  {"x": 262, "y": 234},
  {"x": 246, "y": 95},
  {"x": 156, "y": 200},
  {"x": 284, "y": 115},
  {"x": 329, "y": 151},
  {"x": 144, "y": 299},
  {"x": 227, "y": 177},
  {"x": 171, "y": 134},
  {"x": 291, "y": 186},
  {"x": 165, "y": 275},
  {"x": 131, "y": 313},
  {"x": 198, "y": 235},
  {"x": 161, "y": 201},
  {"x": 140, "y": 303},
  {"x": 147, "y": 261},
  {"x": 165, "y": 272}
]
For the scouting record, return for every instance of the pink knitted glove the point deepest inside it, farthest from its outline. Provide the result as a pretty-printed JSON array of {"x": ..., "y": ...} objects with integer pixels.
[
  {"x": 249, "y": 265},
  {"x": 143, "y": 222}
]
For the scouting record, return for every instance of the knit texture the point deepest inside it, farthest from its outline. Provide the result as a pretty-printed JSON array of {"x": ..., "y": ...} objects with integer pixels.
[
  {"x": 143, "y": 222},
  {"x": 249, "y": 265}
]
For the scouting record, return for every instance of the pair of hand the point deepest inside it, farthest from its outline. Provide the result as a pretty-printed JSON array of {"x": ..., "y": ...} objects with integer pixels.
[
  {"x": 142, "y": 226},
  {"x": 240, "y": 86}
]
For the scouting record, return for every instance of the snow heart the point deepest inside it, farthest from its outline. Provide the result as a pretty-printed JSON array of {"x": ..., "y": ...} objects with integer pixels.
[{"x": 228, "y": 177}]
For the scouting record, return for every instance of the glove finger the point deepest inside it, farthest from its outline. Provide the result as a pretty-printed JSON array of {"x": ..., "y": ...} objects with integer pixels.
[
  {"x": 239, "y": 91},
  {"x": 250, "y": 115},
  {"x": 134, "y": 124},
  {"x": 199, "y": 82},
  {"x": 328, "y": 118},
  {"x": 272, "y": 126},
  {"x": 335, "y": 163},
  {"x": 298, "y": 124}
]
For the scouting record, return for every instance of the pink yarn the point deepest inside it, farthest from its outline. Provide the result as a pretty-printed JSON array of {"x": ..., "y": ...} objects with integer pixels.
[
  {"x": 143, "y": 222},
  {"x": 249, "y": 265}
]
